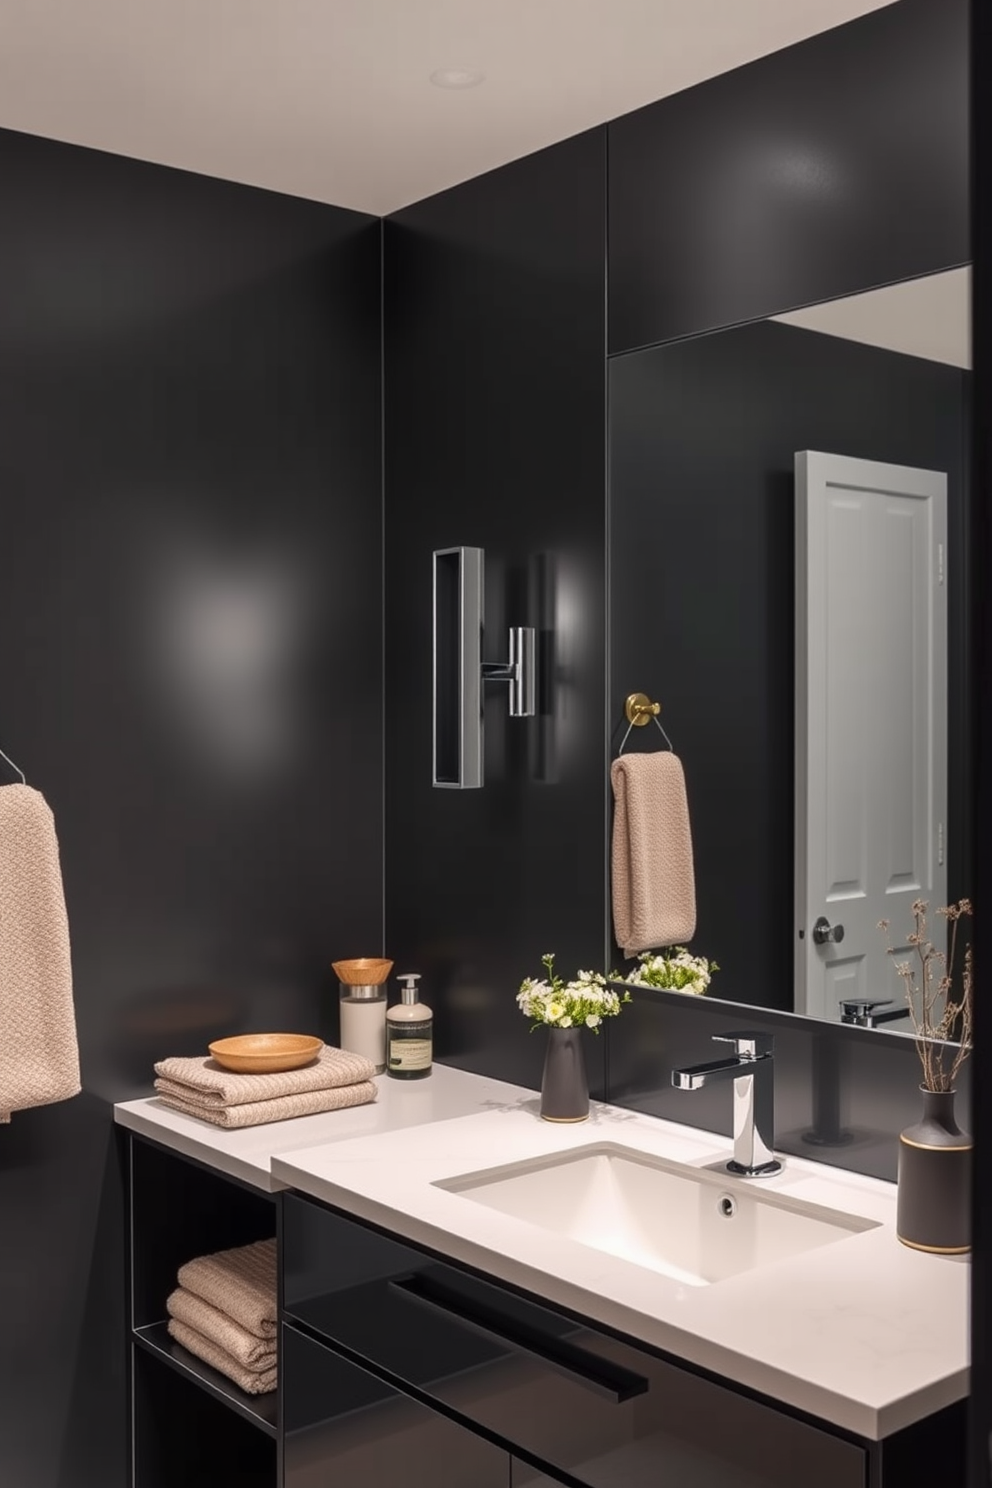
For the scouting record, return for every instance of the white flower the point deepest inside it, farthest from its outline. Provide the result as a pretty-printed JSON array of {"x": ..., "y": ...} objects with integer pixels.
[
  {"x": 592, "y": 1019},
  {"x": 565, "y": 1022}
]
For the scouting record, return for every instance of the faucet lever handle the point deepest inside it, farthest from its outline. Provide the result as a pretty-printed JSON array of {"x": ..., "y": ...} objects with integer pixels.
[{"x": 748, "y": 1045}]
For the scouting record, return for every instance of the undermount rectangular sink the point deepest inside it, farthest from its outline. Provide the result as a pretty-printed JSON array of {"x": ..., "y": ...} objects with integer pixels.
[{"x": 695, "y": 1225}]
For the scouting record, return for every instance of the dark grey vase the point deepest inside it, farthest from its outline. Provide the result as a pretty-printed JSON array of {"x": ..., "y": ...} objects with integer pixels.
[
  {"x": 564, "y": 1087},
  {"x": 933, "y": 1209}
]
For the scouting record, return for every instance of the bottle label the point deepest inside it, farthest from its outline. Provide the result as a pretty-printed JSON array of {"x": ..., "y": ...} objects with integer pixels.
[{"x": 410, "y": 1051}]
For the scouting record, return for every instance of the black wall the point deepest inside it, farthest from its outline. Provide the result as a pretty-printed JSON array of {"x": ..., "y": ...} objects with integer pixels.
[
  {"x": 190, "y": 671},
  {"x": 495, "y": 437},
  {"x": 495, "y": 424},
  {"x": 827, "y": 168},
  {"x": 981, "y": 675},
  {"x": 702, "y": 567}
]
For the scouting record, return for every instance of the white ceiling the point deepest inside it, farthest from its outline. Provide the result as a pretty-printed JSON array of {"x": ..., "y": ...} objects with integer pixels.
[
  {"x": 921, "y": 317},
  {"x": 331, "y": 99}
]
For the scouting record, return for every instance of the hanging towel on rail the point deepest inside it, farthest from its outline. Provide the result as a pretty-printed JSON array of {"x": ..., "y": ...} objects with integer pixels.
[
  {"x": 654, "y": 889},
  {"x": 39, "y": 1057}
]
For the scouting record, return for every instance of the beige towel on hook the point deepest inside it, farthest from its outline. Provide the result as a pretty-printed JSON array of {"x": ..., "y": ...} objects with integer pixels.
[
  {"x": 39, "y": 1057},
  {"x": 240, "y": 1282},
  {"x": 654, "y": 888}
]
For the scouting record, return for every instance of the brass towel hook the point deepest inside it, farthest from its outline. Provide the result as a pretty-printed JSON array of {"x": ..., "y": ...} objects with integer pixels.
[{"x": 641, "y": 710}]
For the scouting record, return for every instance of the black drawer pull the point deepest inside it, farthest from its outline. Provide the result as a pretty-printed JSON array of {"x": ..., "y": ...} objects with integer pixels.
[{"x": 612, "y": 1380}]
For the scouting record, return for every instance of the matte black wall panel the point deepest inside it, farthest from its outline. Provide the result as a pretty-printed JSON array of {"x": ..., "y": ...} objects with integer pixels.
[
  {"x": 190, "y": 672},
  {"x": 495, "y": 437},
  {"x": 702, "y": 502},
  {"x": 826, "y": 168},
  {"x": 980, "y": 1433}
]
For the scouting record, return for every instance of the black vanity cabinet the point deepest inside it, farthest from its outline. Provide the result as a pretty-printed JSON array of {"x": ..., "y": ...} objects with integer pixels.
[
  {"x": 190, "y": 1426},
  {"x": 401, "y": 1369},
  {"x": 375, "y": 1331}
]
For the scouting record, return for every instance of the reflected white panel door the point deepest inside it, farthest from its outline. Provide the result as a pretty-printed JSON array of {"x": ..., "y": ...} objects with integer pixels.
[{"x": 871, "y": 719}]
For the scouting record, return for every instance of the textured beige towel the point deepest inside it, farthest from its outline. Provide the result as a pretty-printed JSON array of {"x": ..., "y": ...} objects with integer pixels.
[
  {"x": 204, "y": 1083},
  {"x": 654, "y": 890},
  {"x": 258, "y": 1113},
  {"x": 240, "y": 1283},
  {"x": 257, "y": 1354},
  {"x": 39, "y": 1059},
  {"x": 251, "y": 1381}
]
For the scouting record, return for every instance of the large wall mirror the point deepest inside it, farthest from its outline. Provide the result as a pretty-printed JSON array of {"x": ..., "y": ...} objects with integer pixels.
[{"x": 721, "y": 527}]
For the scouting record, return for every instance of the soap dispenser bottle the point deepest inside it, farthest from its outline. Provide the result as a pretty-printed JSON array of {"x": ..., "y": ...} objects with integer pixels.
[{"x": 409, "y": 1034}]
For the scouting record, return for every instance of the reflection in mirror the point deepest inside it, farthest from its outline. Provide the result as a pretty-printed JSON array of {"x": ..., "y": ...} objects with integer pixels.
[{"x": 826, "y": 762}]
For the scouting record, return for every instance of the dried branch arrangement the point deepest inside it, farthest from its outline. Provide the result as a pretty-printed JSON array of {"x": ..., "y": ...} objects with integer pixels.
[{"x": 939, "y": 998}]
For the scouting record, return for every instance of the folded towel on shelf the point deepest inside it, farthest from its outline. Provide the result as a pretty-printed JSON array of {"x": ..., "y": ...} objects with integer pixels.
[
  {"x": 39, "y": 1057},
  {"x": 247, "y": 1349},
  {"x": 240, "y": 1282},
  {"x": 654, "y": 889},
  {"x": 257, "y": 1113},
  {"x": 202, "y": 1082},
  {"x": 252, "y": 1381}
]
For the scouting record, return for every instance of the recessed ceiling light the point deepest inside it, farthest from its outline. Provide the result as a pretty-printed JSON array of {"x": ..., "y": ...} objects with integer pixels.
[{"x": 457, "y": 77}]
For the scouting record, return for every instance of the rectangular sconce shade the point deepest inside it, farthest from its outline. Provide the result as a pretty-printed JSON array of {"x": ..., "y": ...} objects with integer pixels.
[
  {"x": 460, "y": 672},
  {"x": 458, "y": 611}
]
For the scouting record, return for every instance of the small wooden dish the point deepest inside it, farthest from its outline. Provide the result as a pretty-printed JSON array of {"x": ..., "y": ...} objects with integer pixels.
[{"x": 265, "y": 1053}]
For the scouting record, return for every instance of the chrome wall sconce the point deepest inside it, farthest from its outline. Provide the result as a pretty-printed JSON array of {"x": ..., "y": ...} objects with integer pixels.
[{"x": 460, "y": 672}]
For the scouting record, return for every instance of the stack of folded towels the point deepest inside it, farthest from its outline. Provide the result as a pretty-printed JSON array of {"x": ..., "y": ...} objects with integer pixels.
[
  {"x": 224, "y": 1312},
  {"x": 199, "y": 1087}
]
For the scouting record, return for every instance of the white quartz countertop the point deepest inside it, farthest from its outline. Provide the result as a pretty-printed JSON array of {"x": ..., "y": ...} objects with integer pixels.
[
  {"x": 248, "y": 1154},
  {"x": 864, "y": 1333}
]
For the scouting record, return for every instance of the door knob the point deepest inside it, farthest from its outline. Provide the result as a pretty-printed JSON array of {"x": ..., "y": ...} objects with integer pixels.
[{"x": 824, "y": 932}]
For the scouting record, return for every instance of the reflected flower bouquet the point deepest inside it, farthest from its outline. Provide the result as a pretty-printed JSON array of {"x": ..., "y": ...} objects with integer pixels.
[
  {"x": 674, "y": 970},
  {"x": 582, "y": 1003}
]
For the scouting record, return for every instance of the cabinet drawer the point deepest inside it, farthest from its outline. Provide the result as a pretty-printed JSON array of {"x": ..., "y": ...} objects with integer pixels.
[
  {"x": 574, "y": 1398},
  {"x": 345, "y": 1426}
]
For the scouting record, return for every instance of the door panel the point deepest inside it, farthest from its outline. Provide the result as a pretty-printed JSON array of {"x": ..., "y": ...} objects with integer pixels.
[
  {"x": 345, "y": 1426},
  {"x": 871, "y": 719},
  {"x": 580, "y": 1401}
]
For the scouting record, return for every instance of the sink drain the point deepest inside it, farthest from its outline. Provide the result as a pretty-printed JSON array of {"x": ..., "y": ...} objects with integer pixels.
[{"x": 727, "y": 1205}]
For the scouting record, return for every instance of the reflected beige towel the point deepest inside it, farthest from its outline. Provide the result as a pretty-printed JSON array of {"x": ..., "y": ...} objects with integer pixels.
[
  {"x": 654, "y": 888},
  {"x": 245, "y": 1348},
  {"x": 253, "y": 1382},
  {"x": 240, "y": 1282},
  {"x": 39, "y": 1058},
  {"x": 257, "y": 1113},
  {"x": 203, "y": 1083}
]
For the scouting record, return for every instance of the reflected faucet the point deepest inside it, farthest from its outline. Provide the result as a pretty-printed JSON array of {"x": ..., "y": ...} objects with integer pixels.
[
  {"x": 861, "y": 1012},
  {"x": 754, "y": 1099}
]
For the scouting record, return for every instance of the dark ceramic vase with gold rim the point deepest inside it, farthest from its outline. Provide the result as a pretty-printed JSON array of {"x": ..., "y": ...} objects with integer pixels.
[
  {"x": 933, "y": 1209},
  {"x": 564, "y": 1087}
]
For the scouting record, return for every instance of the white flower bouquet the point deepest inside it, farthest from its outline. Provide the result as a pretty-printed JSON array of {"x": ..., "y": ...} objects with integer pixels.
[
  {"x": 674, "y": 970},
  {"x": 582, "y": 1003}
]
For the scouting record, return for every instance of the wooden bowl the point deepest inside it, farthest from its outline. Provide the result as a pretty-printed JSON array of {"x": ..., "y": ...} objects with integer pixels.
[
  {"x": 364, "y": 971},
  {"x": 265, "y": 1053}
]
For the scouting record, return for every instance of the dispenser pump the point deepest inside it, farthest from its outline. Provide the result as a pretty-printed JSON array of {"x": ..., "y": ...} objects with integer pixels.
[
  {"x": 409, "y": 1033},
  {"x": 408, "y": 988}
]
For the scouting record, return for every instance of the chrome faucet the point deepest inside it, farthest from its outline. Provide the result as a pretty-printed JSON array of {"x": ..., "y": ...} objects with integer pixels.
[
  {"x": 861, "y": 1011},
  {"x": 754, "y": 1099}
]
